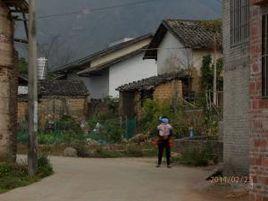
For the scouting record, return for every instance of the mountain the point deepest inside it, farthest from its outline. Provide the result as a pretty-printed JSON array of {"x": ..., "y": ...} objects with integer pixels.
[{"x": 77, "y": 28}]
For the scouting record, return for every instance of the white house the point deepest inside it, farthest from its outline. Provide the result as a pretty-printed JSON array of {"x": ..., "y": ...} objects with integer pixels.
[
  {"x": 182, "y": 44},
  {"x": 104, "y": 71}
]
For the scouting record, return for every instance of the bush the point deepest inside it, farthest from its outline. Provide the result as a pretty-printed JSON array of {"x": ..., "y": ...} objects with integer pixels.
[
  {"x": 109, "y": 130},
  {"x": 22, "y": 137},
  {"x": 16, "y": 175},
  {"x": 65, "y": 124},
  {"x": 63, "y": 131},
  {"x": 182, "y": 118},
  {"x": 44, "y": 167},
  {"x": 152, "y": 110},
  {"x": 198, "y": 156}
]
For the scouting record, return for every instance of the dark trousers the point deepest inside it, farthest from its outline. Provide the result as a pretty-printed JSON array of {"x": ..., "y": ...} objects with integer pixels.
[{"x": 161, "y": 146}]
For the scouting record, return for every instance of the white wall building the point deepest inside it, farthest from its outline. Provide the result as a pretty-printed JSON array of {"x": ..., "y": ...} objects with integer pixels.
[
  {"x": 182, "y": 44},
  {"x": 104, "y": 71}
]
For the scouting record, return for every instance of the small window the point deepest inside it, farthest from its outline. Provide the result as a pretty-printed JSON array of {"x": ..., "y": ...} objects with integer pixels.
[
  {"x": 239, "y": 21},
  {"x": 265, "y": 55}
]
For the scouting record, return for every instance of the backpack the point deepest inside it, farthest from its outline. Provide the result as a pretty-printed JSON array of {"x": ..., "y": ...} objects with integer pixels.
[{"x": 164, "y": 130}]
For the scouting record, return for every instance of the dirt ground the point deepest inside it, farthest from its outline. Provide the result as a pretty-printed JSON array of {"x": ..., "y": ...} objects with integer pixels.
[{"x": 121, "y": 179}]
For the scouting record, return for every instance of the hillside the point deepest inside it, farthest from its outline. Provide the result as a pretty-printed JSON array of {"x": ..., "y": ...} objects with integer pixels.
[{"x": 87, "y": 31}]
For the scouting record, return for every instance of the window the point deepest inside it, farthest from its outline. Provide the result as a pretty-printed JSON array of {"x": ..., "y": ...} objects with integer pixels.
[
  {"x": 239, "y": 21},
  {"x": 265, "y": 55}
]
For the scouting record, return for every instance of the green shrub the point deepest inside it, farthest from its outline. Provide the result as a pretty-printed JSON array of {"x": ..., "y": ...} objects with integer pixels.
[
  {"x": 66, "y": 124},
  {"x": 198, "y": 156},
  {"x": 22, "y": 137},
  {"x": 16, "y": 175},
  {"x": 5, "y": 169},
  {"x": 44, "y": 167},
  {"x": 110, "y": 131},
  {"x": 182, "y": 118}
]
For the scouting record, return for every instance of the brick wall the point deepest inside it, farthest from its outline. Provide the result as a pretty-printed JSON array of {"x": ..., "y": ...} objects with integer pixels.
[
  {"x": 258, "y": 106},
  {"x": 167, "y": 91},
  {"x": 54, "y": 108},
  {"x": 8, "y": 86},
  {"x": 258, "y": 110},
  {"x": 236, "y": 102}
]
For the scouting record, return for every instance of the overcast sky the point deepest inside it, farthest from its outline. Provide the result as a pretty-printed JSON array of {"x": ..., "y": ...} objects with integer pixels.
[{"x": 85, "y": 26}]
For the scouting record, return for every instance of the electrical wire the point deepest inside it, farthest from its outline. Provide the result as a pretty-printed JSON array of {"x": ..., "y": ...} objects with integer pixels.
[{"x": 96, "y": 9}]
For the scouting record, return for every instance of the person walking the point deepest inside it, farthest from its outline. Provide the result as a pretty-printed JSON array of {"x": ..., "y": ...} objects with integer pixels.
[{"x": 165, "y": 132}]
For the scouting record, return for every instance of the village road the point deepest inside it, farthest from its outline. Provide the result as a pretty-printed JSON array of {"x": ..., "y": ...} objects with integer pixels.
[{"x": 113, "y": 180}]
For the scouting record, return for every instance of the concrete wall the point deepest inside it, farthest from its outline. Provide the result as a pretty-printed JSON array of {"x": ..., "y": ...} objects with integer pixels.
[
  {"x": 236, "y": 102},
  {"x": 131, "y": 70},
  {"x": 8, "y": 86}
]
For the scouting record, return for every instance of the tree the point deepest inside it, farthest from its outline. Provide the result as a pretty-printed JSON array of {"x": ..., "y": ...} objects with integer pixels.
[
  {"x": 207, "y": 73},
  {"x": 23, "y": 66},
  {"x": 56, "y": 51},
  {"x": 207, "y": 76}
]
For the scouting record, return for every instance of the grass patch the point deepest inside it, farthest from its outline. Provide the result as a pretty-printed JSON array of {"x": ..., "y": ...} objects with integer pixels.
[{"x": 16, "y": 175}]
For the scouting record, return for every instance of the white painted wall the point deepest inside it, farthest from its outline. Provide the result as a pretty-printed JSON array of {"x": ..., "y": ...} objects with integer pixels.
[
  {"x": 198, "y": 58},
  {"x": 98, "y": 86},
  {"x": 172, "y": 56},
  {"x": 131, "y": 70}
]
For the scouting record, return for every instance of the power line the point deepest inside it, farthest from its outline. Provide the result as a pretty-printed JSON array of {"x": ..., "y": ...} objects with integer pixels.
[
  {"x": 84, "y": 59},
  {"x": 96, "y": 9}
]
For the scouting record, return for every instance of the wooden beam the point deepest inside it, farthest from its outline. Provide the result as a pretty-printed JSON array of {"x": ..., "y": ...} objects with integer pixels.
[{"x": 21, "y": 41}]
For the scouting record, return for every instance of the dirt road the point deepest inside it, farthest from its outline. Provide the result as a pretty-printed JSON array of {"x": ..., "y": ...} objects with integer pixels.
[{"x": 113, "y": 180}]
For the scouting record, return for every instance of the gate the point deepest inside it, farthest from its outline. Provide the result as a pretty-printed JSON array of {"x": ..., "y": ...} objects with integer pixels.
[{"x": 130, "y": 127}]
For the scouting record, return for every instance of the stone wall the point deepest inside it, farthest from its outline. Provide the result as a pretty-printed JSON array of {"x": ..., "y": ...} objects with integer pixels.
[
  {"x": 8, "y": 86},
  {"x": 53, "y": 108},
  {"x": 236, "y": 102}
]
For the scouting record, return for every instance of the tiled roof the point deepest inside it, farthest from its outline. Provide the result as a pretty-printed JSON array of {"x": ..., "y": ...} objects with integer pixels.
[
  {"x": 85, "y": 62},
  {"x": 151, "y": 82},
  {"x": 194, "y": 34},
  {"x": 62, "y": 88},
  {"x": 19, "y": 5},
  {"x": 102, "y": 67}
]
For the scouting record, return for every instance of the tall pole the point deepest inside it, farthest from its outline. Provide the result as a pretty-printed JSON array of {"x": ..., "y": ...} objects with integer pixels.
[
  {"x": 215, "y": 101},
  {"x": 32, "y": 91}
]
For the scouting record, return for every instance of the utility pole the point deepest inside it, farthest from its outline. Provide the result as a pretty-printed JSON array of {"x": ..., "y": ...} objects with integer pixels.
[
  {"x": 32, "y": 91},
  {"x": 215, "y": 97}
]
